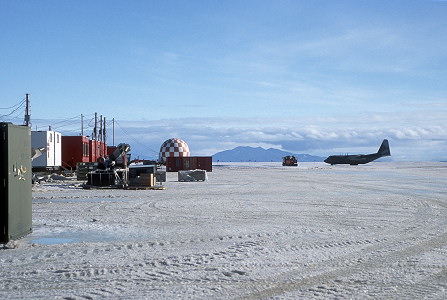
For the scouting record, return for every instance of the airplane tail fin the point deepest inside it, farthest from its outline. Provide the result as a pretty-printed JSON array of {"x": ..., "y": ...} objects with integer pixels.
[{"x": 384, "y": 149}]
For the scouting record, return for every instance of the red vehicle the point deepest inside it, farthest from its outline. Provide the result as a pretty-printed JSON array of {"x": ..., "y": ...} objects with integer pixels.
[{"x": 289, "y": 160}]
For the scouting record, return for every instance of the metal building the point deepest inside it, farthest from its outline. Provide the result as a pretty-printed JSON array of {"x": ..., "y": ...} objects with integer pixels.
[
  {"x": 75, "y": 149},
  {"x": 175, "y": 164},
  {"x": 15, "y": 181},
  {"x": 52, "y": 142},
  {"x": 97, "y": 149}
]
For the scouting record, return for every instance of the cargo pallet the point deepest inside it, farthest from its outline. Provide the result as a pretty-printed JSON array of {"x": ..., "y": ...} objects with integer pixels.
[{"x": 146, "y": 188}]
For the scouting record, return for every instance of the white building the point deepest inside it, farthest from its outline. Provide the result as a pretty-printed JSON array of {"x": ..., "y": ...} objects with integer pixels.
[{"x": 52, "y": 142}]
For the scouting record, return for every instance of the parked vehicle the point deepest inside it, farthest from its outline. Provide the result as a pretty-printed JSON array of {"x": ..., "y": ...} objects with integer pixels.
[{"x": 289, "y": 160}]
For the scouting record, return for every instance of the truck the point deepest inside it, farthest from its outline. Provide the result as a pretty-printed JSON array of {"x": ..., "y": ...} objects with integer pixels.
[{"x": 289, "y": 160}]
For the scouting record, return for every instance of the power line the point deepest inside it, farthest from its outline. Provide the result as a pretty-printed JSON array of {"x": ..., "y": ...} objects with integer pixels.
[
  {"x": 72, "y": 123},
  {"x": 16, "y": 109},
  {"x": 134, "y": 139},
  {"x": 17, "y": 118},
  {"x": 91, "y": 122},
  {"x": 65, "y": 120},
  {"x": 21, "y": 102}
]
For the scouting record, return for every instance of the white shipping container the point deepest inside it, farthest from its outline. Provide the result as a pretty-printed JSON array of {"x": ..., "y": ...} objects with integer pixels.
[
  {"x": 52, "y": 142},
  {"x": 57, "y": 149}
]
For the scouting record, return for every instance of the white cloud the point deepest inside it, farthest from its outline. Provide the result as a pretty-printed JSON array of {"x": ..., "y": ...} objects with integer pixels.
[{"x": 356, "y": 135}]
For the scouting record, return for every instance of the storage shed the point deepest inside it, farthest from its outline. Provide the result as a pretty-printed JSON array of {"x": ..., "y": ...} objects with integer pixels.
[
  {"x": 175, "y": 164},
  {"x": 97, "y": 149},
  {"x": 52, "y": 142},
  {"x": 75, "y": 149}
]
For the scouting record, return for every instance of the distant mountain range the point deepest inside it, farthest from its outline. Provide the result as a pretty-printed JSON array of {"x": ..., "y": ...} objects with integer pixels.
[{"x": 246, "y": 154}]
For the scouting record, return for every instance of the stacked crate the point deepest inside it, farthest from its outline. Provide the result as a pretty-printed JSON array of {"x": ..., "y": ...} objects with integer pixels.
[
  {"x": 143, "y": 180},
  {"x": 82, "y": 169},
  {"x": 142, "y": 176}
]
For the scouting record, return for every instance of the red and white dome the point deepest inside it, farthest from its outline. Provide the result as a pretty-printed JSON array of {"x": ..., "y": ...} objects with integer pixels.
[{"x": 173, "y": 148}]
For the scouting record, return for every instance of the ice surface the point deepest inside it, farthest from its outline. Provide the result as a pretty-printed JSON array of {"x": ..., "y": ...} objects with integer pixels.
[{"x": 251, "y": 231}]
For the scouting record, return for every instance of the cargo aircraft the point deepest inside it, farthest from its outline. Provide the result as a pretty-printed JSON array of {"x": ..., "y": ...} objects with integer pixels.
[{"x": 357, "y": 159}]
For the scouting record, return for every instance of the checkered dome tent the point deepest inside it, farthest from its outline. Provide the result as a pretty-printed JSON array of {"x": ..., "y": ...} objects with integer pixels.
[{"x": 173, "y": 148}]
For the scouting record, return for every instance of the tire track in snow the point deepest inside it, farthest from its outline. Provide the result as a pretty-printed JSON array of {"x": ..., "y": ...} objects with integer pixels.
[{"x": 407, "y": 243}]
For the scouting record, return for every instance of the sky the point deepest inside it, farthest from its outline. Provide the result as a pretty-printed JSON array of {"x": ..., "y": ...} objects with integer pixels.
[{"x": 315, "y": 77}]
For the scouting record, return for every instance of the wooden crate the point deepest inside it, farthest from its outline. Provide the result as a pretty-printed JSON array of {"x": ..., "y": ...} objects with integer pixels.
[{"x": 143, "y": 180}]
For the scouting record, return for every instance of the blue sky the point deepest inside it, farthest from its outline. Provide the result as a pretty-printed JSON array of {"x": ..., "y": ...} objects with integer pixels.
[{"x": 317, "y": 77}]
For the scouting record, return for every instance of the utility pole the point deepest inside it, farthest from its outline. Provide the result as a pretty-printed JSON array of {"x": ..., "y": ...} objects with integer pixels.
[
  {"x": 95, "y": 128},
  {"x": 113, "y": 131},
  {"x": 27, "y": 114},
  {"x": 82, "y": 125},
  {"x": 100, "y": 129},
  {"x": 104, "y": 137},
  {"x": 100, "y": 137}
]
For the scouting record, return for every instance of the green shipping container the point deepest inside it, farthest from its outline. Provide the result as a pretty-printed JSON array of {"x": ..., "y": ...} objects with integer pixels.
[{"x": 15, "y": 182}]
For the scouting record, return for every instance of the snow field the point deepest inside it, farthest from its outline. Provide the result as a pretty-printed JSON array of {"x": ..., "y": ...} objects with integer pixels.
[{"x": 252, "y": 231}]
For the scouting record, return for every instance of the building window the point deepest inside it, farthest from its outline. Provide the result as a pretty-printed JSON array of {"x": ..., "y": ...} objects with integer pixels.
[{"x": 85, "y": 149}]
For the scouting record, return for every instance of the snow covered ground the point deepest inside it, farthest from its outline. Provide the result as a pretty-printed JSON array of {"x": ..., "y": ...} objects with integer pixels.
[{"x": 252, "y": 231}]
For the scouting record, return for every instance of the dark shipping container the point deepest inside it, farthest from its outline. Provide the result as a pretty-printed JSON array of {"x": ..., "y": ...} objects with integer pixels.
[{"x": 175, "y": 164}]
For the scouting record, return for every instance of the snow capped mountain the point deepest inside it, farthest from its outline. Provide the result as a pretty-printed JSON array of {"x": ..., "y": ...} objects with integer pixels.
[{"x": 260, "y": 154}]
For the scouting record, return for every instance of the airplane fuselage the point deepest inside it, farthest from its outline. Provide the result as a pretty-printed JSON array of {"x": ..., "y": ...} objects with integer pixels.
[
  {"x": 358, "y": 159},
  {"x": 351, "y": 159}
]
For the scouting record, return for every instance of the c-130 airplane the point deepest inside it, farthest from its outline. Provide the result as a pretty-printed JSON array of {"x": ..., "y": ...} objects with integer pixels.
[{"x": 357, "y": 159}]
